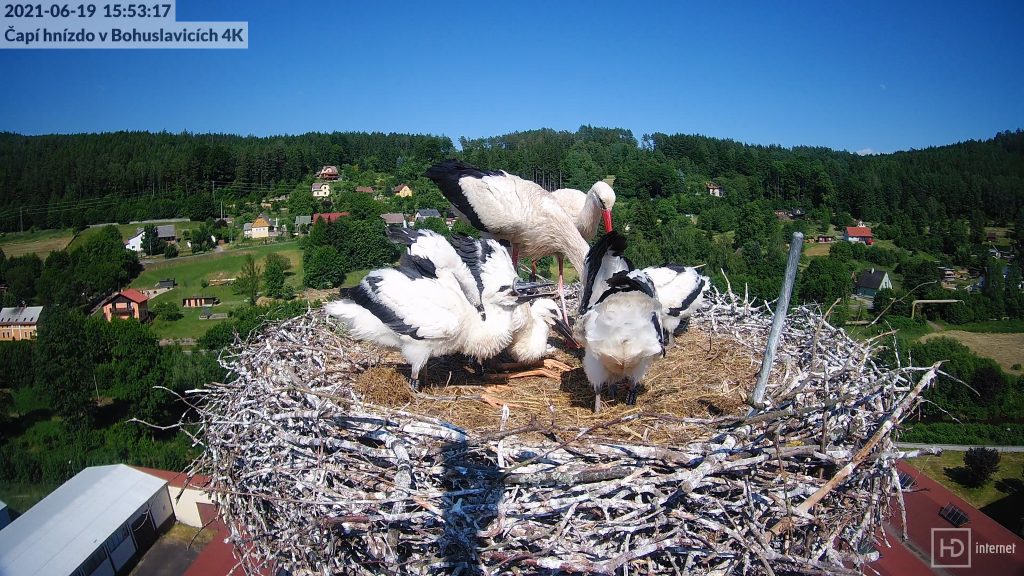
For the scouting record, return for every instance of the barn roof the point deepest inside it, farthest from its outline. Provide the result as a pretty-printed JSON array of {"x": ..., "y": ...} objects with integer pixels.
[{"x": 56, "y": 535}]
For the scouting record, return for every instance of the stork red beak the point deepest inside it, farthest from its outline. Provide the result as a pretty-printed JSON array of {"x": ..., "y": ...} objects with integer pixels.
[{"x": 607, "y": 221}]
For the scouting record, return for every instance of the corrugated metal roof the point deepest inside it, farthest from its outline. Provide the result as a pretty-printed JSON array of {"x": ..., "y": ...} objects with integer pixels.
[
  {"x": 56, "y": 535},
  {"x": 20, "y": 315}
]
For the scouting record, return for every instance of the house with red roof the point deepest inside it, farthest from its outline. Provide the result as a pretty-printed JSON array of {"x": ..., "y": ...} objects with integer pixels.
[
  {"x": 329, "y": 217},
  {"x": 945, "y": 534},
  {"x": 125, "y": 304},
  {"x": 859, "y": 234}
]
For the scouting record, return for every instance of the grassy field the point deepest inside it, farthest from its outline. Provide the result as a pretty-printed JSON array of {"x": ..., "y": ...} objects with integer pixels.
[
  {"x": 943, "y": 468},
  {"x": 40, "y": 243},
  {"x": 129, "y": 230},
  {"x": 816, "y": 250},
  {"x": 190, "y": 273},
  {"x": 1005, "y": 348}
]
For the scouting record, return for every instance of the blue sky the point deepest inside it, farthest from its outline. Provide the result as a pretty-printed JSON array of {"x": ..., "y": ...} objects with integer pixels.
[{"x": 879, "y": 76}]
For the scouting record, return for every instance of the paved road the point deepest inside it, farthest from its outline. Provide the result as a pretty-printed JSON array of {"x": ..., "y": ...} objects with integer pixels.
[{"x": 959, "y": 447}]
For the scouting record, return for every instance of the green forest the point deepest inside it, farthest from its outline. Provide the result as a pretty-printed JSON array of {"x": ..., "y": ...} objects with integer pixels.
[{"x": 66, "y": 397}]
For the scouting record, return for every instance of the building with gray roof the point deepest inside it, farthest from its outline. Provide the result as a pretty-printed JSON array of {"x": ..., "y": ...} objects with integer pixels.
[{"x": 95, "y": 523}]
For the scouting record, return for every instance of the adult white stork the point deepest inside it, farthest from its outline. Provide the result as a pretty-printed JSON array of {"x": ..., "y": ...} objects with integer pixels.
[
  {"x": 589, "y": 208},
  {"x": 681, "y": 291},
  {"x": 510, "y": 208},
  {"x": 412, "y": 309},
  {"x": 620, "y": 322}
]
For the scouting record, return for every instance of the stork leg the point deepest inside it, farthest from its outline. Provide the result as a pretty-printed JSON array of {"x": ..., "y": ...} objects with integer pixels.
[
  {"x": 597, "y": 400},
  {"x": 515, "y": 256},
  {"x": 533, "y": 270},
  {"x": 634, "y": 389}
]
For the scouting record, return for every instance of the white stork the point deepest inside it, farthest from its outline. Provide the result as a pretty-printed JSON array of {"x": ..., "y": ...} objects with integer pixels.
[
  {"x": 620, "y": 320},
  {"x": 681, "y": 291},
  {"x": 510, "y": 208},
  {"x": 456, "y": 261},
  {"x": 588, "y": 208},
  {"x": 413, "y": 309}
]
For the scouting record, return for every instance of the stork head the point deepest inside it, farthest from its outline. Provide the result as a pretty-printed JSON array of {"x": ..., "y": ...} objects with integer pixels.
[
  {"x": 549, "y": 313},
  {"x": 605, "y": 197}
]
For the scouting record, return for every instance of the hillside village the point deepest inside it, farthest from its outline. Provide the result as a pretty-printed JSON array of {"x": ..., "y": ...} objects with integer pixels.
[{"x": 155, "y": 300}]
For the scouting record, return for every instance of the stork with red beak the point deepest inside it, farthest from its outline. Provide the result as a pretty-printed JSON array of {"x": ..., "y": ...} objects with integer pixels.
[{"x": 589, "y": 208}]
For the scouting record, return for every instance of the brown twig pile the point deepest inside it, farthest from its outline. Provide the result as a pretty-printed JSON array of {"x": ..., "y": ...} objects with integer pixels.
[{"x": 323, "y": 462}]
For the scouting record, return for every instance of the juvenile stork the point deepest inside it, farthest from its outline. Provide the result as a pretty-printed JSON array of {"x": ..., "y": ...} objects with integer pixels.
[
  {"x": 458, "y": 263},
  {"x": 413, "y": 309},
  {"x": 510, "y": 208},
  {"x": 589, "y": 208},
  {"x": 620, "y": 320},
  {"x": 681, "y": 291}
]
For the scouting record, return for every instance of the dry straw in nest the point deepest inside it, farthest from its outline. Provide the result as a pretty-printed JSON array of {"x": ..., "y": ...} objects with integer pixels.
[{"x": 323, "y": 462}]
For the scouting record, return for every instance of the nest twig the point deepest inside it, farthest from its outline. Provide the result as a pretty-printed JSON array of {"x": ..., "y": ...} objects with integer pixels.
[{"x": 319, "y": 470}]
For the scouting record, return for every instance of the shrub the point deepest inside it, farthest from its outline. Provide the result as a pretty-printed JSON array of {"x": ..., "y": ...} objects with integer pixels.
[{"x": 981, "y": 464}]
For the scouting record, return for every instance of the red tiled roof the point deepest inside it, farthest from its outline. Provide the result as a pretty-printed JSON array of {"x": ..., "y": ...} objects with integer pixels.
[
  {"x": 218, "y": 556},
  {"x": 134, "y": 295},
  {"x": 858, "y": 231},
  {"x": 365, "y": 189},
  {"x": 923, "y": 502},
  {"x": 328, "y": 216},
  {"x": 896, "y": 559},
  {"x": 176, "y": 479}
]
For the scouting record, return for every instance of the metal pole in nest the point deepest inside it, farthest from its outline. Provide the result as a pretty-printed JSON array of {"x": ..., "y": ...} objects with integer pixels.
[{"x": 795, "y": 246}]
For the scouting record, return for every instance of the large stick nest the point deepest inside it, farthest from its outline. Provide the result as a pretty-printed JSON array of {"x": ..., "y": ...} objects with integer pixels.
[{"x": 323, "y": 462}]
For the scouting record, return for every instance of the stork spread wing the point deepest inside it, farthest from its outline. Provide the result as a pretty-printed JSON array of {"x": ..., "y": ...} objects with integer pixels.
[
  {"x": 429, "y": 245},
  {"x": 420, "y": 308}
]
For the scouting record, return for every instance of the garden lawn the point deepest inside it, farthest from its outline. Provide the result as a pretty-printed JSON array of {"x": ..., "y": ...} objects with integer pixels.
[
  {"x": 941, "y": 468},
  {"x": 129, "y": 230}
]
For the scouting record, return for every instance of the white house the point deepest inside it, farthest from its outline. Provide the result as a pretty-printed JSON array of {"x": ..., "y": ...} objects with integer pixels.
[
  {"x": 321, "y": 189},
  {"x": 135, "y": 243},
  {"x": 94, "y": 524}
]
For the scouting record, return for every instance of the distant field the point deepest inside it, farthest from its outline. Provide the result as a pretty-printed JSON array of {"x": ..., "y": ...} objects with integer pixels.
[
  {"x": 40, "y": 243},
  {"x": 1005, "y": 348}
]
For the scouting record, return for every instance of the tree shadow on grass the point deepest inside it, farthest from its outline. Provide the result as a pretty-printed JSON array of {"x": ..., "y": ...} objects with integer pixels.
[
  {"x": 961, "y": 475},
  {"x": 1010, "y": 485},
  {"x": 20, "y": 425}
]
